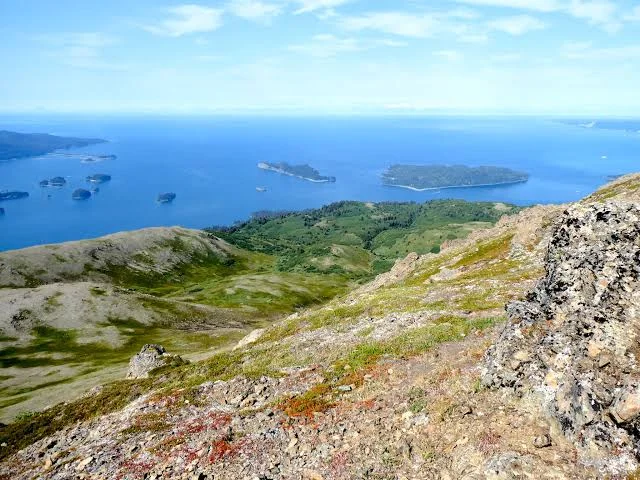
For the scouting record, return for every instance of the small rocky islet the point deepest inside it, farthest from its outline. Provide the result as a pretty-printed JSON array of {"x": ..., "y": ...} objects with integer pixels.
[
  {"x": 81, "y": 194},
  {"x": 99, "y": 178},
  {"x": 54, "y": 182},
  {"x": 166, "y": 197}
]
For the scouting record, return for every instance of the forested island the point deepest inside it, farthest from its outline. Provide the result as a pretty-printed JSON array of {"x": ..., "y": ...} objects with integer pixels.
[
  {"x": 430, "y": 177},
  {"x": 305, "y": 172},
  {"x": 20, "y": 145}
]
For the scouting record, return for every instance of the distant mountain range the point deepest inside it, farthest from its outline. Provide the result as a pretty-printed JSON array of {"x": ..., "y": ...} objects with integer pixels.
[{"x": 20, "y": 145}]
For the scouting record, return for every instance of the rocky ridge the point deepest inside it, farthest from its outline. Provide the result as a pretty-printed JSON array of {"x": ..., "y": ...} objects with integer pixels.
[{"x": 573, "y": 342}]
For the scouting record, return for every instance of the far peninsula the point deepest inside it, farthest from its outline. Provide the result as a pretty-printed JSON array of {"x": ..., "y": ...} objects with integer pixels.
[
  {"x": 20, "y": 145},
  {"x": 305, "y": 172},
  {"x": 434, "y": 177}
]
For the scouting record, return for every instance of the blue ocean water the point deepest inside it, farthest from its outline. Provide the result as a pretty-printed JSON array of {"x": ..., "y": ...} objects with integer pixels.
[{"x": 210, "y": 163}]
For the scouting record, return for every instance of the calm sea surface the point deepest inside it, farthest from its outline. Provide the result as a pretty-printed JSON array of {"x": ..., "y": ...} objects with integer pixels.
[{"x": 210, "y": 163}]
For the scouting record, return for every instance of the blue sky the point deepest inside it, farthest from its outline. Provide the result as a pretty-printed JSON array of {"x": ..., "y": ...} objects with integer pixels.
[{"x": 321, "y": 56}]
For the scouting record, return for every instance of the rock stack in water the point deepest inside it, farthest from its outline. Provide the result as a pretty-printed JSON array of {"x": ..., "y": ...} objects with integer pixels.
[{"x": 575, "y": 342}]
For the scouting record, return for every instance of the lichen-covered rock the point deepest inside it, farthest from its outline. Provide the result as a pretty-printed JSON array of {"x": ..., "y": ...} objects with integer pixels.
[
  {"x": 574, "y": 341},
  {"x": 151, "y": 357}
]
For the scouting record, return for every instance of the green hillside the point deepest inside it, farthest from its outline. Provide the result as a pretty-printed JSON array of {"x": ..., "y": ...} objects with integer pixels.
[{"x": 358, "y": 239}]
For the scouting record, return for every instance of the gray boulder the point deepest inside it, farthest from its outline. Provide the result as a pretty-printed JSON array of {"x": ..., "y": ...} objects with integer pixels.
[
  {"x": 151, "y": 357},
  {"x": 574, "y": 341}
]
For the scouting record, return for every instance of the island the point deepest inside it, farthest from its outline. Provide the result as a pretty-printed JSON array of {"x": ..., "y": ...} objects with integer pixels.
[
  {"x": 7, "y": 195},
  {"x": 99, "y": 178},
  {"x": 19, "y": 145},
  {"x": 54, "y": 182},
  {"x": 625, "y": 125},
  {"x": 96, "y": 158},
  {"x": 305, "y": 172},
  {"x": 433, "y": 177},
  {"x": 166, "y": 197},
  {"x": 81, "y": 194}
]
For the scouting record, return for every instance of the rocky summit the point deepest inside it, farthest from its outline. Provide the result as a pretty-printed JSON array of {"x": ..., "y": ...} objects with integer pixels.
[
  {"x": 416, "y": 375},
  {"x": 574, "y": 341}
]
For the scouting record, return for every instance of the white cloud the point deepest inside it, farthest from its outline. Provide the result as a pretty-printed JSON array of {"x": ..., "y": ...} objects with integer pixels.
[
  {"x": 634, "y": 15},
  {"x": 85, "y": 39},
  {"x": 602, "y": 13},
  {"x": 517, "y": 25},
  {"x": 450, "y": 55},
  {"x": 307, "y": 6},
  {"x": 187, "y": 19},
  {"x": 506, "y": 57},
  {"x": 473, "y": 38},
  {"x": 209, "y": 58},
  {"x": 586, "y": 51},
  {"x": 535, "y": 5},
  {"x": 81, "y": 49},
  {"x": 597, "y": 12},
  {"x": 419, "y": 25},
  {"x": 255, "y": 10},
  {"x": 391, "y": 43},
  {"x": 395, "y": 23},
  {"x": 326, "y": 45}
]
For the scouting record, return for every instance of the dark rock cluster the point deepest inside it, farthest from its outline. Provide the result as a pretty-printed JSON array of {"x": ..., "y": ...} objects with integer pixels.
[{"x": 574, "y": 341}]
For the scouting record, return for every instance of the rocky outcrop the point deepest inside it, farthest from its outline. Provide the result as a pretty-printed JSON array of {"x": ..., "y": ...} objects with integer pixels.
[
  {"x": 151, "y": 357},
  {"x": 574, "y": 341}
]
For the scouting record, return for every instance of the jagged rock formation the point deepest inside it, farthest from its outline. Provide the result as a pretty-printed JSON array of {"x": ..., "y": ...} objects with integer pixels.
[
  {"x": 151, "y": 357},
  {"x": 574, "y": 341}
]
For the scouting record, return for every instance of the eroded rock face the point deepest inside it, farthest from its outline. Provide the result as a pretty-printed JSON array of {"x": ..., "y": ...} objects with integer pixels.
[
  {"x": 575, "y": 340},
  {"x": 151, "y": 357}
]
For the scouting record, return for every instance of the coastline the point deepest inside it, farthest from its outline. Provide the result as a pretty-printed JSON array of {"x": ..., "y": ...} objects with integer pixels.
[
  {"x": 455, "y": 186},
  {"x": 263, "y": 166}
]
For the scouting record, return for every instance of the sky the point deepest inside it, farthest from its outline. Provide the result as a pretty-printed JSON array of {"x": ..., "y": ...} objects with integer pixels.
[{"x": 562, "y": 57}]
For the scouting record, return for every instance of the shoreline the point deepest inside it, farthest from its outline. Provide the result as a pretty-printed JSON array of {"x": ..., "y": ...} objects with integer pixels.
[
  {"x": 283, "y": 172},
  {"x": 455, "y": 186}
]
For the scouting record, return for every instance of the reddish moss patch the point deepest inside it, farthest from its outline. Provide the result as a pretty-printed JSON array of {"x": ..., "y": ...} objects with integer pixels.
[
  {"x": 224, "y": 448},
  {"x": 314, "y": 400}
]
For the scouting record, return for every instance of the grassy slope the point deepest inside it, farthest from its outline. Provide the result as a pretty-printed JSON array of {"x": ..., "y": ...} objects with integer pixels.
[
  {"x": 277, "y": 266},
  {"x": 281, "y": 345}
]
